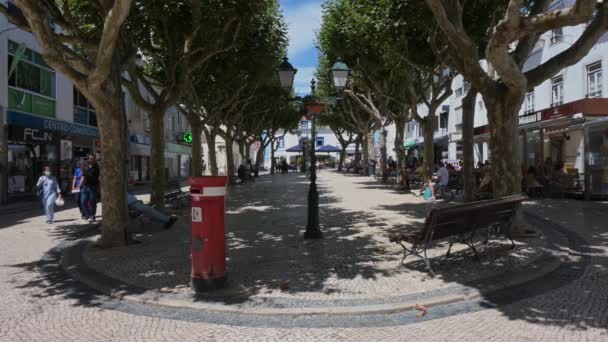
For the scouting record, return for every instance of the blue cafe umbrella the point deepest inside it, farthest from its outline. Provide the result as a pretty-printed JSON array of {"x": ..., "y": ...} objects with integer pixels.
[
  {"x": 297, "y": 148},
  {"x": 329, "y": 149}
]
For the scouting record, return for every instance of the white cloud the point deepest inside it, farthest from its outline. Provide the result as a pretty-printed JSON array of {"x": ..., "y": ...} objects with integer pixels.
[{"x": 303, "y": 21}]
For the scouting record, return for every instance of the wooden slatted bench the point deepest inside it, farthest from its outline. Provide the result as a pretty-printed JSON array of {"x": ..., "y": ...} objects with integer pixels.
[
  {"x": 173, "y": 193},
  {"x": 460, "y": 223}
]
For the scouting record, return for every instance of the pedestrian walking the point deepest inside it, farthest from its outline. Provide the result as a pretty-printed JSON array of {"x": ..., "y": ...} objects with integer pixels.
[
  {"x": 49, "y": 192},
  {"x": 77, "y": 182},
  {"x": 90, "y": 189},
  {"x": 284, "y": 166}
]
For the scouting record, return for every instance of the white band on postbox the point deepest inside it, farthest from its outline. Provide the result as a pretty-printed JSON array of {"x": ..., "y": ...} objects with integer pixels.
[{"x": 214, "y": 192}]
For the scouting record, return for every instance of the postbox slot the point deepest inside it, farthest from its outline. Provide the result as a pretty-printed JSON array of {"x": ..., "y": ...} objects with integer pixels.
[{"x": 195, "y": 191}]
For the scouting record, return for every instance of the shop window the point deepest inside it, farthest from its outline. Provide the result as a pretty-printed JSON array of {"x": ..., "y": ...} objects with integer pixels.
[
  {"x": 84, "y": 113},
  {"x": 459, "y": 150},
  {"x": 557, "y": 91},
  {"x": 443, "y": 120},
  {"x": 31, "y": 82},
  {"x": 529, "y": 102},
  {"x": 458, "y": 119},
  {"x": 594, "y": 80},
  {"x": 320, "y": 141},
  {"x": 557, "y": 35}
]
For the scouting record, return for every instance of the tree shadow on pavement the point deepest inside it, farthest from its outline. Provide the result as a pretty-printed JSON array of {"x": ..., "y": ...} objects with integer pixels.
[
  {"x": 565, "y": 297},
  {"x": 266, "y": 253}
]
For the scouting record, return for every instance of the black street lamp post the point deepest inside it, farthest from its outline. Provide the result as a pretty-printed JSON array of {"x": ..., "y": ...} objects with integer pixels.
[{"x": 313, "y": 107}]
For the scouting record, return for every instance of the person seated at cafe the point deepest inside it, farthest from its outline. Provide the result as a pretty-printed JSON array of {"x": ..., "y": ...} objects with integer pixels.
[
  {"x": 557, "y": 179},
  {"x": 485, "y": 187},
  {"x": 428, "y": 190},
  {"x": 444, "y": 175},
  {"x": 533, "y": 186}
]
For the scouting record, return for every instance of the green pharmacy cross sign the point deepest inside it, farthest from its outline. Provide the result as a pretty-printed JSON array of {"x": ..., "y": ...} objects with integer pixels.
[{"x": 187, "y": 137}]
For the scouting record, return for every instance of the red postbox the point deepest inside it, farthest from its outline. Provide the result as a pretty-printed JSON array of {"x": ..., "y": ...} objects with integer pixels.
[{"x": 208, "y": 232}]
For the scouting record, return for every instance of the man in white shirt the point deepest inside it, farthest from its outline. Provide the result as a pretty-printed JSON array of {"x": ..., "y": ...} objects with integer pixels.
[{"x": 444, "y": 175}]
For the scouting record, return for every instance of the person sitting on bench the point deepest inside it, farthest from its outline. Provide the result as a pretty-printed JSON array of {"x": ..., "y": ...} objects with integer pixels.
[{"x": 154, "y": 215}]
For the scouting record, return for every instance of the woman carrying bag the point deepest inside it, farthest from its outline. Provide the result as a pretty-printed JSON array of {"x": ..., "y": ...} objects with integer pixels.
[{"x": 50, "y": 193}]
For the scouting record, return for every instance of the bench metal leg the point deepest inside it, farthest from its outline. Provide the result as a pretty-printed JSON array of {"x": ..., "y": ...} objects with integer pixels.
[
  {"x": 447, "y": 255},
  {"x": 427, "y": 262},
  {"x": 406, "y": 252},
  {"x": 414, "y": 251}
]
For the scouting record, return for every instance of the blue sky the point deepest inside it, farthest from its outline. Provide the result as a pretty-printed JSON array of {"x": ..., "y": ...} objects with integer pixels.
[{"x": 304, "y": 20}]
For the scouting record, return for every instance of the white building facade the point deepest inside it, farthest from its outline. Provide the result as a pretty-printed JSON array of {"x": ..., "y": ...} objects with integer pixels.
[
  {"x": 45, "y": 120},
  {"x": 563, "y": 119}
]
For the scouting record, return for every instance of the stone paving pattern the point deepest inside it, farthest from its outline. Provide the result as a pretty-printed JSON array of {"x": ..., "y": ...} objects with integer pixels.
[
  {"x": 35, "y": 306},
  {"x": 269, "y": 259}
]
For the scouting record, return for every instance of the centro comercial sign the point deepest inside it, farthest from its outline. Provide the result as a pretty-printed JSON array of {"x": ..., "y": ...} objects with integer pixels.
[{"x": 36, "y": 122}]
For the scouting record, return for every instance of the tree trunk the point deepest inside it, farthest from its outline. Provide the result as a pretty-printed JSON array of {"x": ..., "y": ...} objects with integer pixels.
[
  {"x": 366, "y": 154},
  {"x": 242, "y": 150},
  {"x": 428, "y": 129},
  {"x": 248, "y": 150},
  {"x": 468, "y": 123},
  {"x": 358, "y": 150},
  {"x": 400, "y": 149},
  {"x": 506, "y": 166},
  {"x": 342, "y": 155},
  {"x": 383, "y": 155},
  {"x": 210, "y": 137},
  {"x": 273, "y": 163},
  {"x": 503, "y": 108},
  {"x": 113, "y": 168},
  {"x": 230, "y": 167},
  {"x": 157, "y": 157},
  {"x": 197, "y": 161},
  {"x": 259, "y": 157}
]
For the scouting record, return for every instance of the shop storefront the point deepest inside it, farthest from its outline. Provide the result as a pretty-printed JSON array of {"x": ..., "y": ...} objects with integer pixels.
[
  {"x": 596, "y": 158},
  {"x": 177, "y": 160},
  {"x": 570, "y": 137},
  {"x": 34, "y": 142},
  {"x": 139, "y": 159}
]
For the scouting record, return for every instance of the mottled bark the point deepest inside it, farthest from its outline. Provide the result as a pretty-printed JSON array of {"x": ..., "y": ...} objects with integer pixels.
[
  {"x": 383, "y": 155},
  {"x": 366, "y": 155},
  {"x": 210, "y": 136},
  {"x": 197, "y": 155},
  {"x": 273, "y": 163},
  {"x": 428, "y": 130},
  {"x": 399, "y": 148},
  {"x": 241, "y": 145},
  {"x": 468, "y": 120},
  {"x": 157, "y": 157},
  {"x": 248, "y": 150},
  {"x": 113, "y": 183},
  {"x": 342, "y": 157},
  {"x": 503, "y": 108},
  {"x": 230, "y": 166}
]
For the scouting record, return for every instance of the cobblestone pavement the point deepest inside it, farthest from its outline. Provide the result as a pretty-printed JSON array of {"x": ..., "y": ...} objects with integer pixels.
[
  {"x": 269, "y": 264},
  {"x": 37, "y": 305}
]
